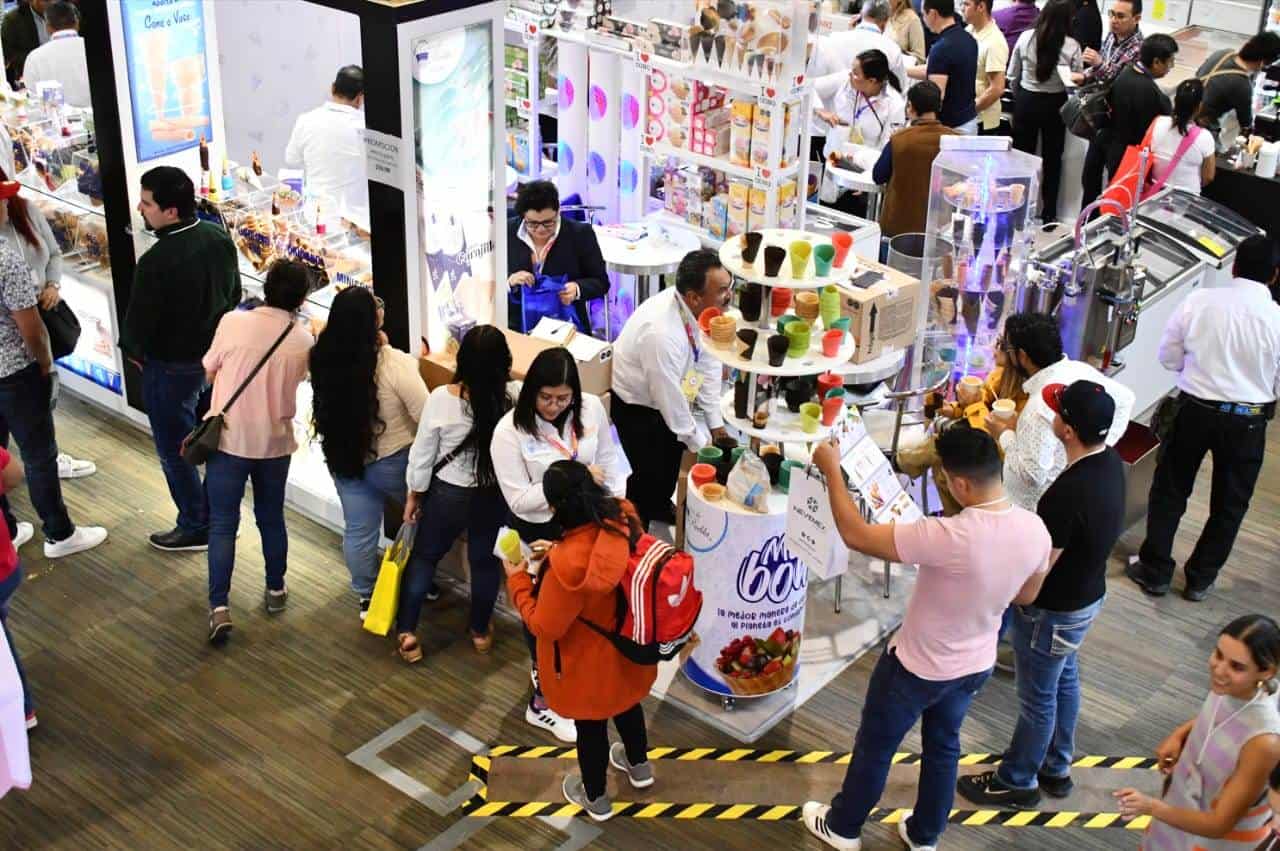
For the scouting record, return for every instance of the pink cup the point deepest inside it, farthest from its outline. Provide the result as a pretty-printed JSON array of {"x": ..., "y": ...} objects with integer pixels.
[
  {"x": 831, "y": 342},
  {"x": 842, "y": 241},
  {"x": 831, "y": 409}
]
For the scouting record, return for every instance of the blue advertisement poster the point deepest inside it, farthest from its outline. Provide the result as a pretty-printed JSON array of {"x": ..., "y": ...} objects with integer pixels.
[{"x": 168, "y": 78}]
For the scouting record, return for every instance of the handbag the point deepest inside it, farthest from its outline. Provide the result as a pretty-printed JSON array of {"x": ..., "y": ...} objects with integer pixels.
[
  {"x": 1088, "y": 110},
  {"x": 386, "y": 590},
  {"x": 63, "y": 328},
  {"x": 543, "y": 299},
  {"x": 204, "y": 439}
]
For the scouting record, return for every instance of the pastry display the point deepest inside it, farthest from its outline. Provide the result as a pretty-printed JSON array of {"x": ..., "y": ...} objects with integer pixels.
[
  {"x": 92, "y": 241},
  {"x": 286, "y": 200},
  {"x": 63, "y": 221},
  {"x": 89, "y": 181}
]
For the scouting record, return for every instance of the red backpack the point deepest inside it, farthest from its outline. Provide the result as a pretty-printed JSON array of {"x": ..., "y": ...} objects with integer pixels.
[{"x": 658, "y": 603}]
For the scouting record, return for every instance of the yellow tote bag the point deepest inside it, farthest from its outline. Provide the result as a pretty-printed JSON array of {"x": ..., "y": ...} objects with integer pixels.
[{"x": 386, "y": 592}]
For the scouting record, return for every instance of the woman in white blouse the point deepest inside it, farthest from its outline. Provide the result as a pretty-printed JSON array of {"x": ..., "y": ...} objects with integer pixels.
[
  {"x": 1171, "y": 134},
  {"x": 553, "y": 420},
  {"x": 866, "y": 110},
  {"x": 453, "y": 487}
]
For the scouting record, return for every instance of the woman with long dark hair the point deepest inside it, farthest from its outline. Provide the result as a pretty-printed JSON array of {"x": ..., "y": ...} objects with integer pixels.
[
  {"x": 1219, "y": 762},
  {"x": 593, "y": 681},
  {"x": 1039, "y": 94},
  {"x": 1184, "y": 153},
  {"x": 367, "y": 399},
  {"x": 553, "y": 420},
  {"x": 453, "y": 486}
]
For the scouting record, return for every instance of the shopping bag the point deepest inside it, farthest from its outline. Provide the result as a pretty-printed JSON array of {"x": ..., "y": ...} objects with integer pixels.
[
  {"x": 15, "y": 759},
  {"x": 1131, "y": 177},
  {"x": 386, "y": 591},
  {"x": 543, "y": 299}
]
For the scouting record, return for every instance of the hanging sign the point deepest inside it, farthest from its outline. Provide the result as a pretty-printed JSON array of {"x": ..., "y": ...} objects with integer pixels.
[
  {"x": 382, "y": 157},
  {"x": 811, "y": 527}
]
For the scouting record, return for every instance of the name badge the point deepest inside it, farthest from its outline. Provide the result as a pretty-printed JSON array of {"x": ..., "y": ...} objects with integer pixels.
[{"x": 691, "y": 384}]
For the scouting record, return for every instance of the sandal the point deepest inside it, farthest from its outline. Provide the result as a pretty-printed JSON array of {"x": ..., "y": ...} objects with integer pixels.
[{"x": 408, "y": 647}]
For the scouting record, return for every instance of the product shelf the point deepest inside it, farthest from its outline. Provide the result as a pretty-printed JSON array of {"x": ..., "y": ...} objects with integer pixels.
[
  {"x": 810, "y": 363},
  {"x": 731, "y": 257},
  {"x": 783, "y": 426}
]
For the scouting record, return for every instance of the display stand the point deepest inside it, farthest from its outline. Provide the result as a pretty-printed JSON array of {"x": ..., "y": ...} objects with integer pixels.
[{"x": 525, "y": 47}]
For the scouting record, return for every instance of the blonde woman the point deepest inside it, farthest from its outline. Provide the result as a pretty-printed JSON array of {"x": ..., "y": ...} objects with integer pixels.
[{"x": 905, "y": 28}]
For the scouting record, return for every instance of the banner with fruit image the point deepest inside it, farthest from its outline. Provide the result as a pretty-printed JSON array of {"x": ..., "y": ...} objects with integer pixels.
[{"x": 753, "y": 601}]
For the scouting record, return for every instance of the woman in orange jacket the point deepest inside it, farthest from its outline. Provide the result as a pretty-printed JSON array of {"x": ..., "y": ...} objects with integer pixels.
[{"x": 584, "y": 677}]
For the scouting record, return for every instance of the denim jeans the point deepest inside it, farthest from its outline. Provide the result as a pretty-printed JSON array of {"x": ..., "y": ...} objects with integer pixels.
[
  {"x": 1045, "y": 646},
  {"x": 363, "y": 501},
  {"x": 447, "y": 512},
  {"x": 25, "y": 411},
  {"x": 225, "y": 477},
  {"x": 7, "y": 589},
  {"x": 177, "y": 397},
  {"x": 896, "y": 698}
]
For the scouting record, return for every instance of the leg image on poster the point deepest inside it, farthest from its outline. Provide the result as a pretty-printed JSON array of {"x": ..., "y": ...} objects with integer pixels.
[
  {"x": 453, "y": 92},
  {"x": 753, "y": 600},
  {"x": 169, "y": 87}
]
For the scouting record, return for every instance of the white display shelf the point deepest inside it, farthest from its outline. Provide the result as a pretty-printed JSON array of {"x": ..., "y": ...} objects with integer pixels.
[
  {"x": 746, "y": 172},
  {"x": 666, "y": 218},
  {"x": 812, "y": 363},
  {"x": 778, "y": 90},
  {"x": 731, "y": 257},
  {"x": 776, "y": 503},
  {"x": 783, "y": 426}
]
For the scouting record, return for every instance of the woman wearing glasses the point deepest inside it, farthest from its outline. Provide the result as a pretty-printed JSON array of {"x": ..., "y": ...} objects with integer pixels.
[
  {"x": 367, "y": 401},
  {"x": 553, "y": 420},
  {"x": 543, "y": 243}
]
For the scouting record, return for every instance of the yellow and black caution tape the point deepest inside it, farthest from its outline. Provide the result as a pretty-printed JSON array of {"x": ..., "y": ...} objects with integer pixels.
[{"x": 479, "y": 805}]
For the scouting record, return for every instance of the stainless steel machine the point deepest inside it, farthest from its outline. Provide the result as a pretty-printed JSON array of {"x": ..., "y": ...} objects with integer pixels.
[{"x": 1211, "y": 231}]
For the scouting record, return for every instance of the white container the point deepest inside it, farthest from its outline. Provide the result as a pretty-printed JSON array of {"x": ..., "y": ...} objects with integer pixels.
[{"x": 1268, "y": 155}]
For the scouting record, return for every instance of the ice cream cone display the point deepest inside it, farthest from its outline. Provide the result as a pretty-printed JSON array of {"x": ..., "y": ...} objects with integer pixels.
[
  {"x": 807, "y": 306},
  {"x": 747, "y": 343},
  {"x": 779, "y": 301},
  {"x": 773, "y": 257},
  {"x": 800, "y": 251},
  {"x": 723, "y": 331},
  {"x": 751, "y": 246},
  {"x": 704, "y": 318}
]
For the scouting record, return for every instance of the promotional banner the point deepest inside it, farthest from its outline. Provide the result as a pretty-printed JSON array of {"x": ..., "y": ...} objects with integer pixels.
[
  {"x": 168, "y": 75},
  {"x": 811, "y": 528},
  {"x": 753, "y": 592}
]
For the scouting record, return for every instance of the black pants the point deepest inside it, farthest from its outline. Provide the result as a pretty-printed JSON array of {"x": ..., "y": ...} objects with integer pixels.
[
  {"x": 1095, "y": 162},
  {"x": 1037, "y": 119},
  {"x": 1237, "y": 444},
  {"x": 655, "y": 453},
  {"x": 593, "y": 746}
]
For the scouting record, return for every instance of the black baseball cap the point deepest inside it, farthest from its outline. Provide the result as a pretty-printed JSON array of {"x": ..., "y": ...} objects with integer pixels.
[{"x": 1085, "y": 406}]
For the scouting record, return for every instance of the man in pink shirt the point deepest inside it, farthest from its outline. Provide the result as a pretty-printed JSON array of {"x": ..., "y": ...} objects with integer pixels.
[{"x": 972, "y": 566}]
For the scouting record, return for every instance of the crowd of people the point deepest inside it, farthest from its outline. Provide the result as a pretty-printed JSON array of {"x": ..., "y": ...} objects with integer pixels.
[{"x": 976, "y": 56}]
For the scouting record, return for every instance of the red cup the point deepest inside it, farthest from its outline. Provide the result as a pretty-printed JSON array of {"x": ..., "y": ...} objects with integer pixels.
[
  {"x": 702, "y": 474},
  {"x": 779, "y": 301},
  {"x": 704, "y": 318},
  {"x": 842, "y": 241},
  {"x": 828, "y": 381},
  {"x": 831, "y": 342},
  {"x": 831, "y": 409}
]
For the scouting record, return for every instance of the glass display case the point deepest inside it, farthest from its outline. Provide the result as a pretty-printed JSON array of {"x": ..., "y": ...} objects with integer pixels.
[
  {"x": 979, "y": 230},
  {"x": 54, "y": 157},
  {"x": 1210, "y": 230}
]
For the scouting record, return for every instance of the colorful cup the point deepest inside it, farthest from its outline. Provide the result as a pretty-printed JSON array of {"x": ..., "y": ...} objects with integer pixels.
[
  {"x": 740, "y": 390},
  {"x": 705, "y": 317},
  {"x": 842, "y": 241},
  {"x": 842, "y": 324},
  {"x": 784, "y": 473},
  {"x": 747, "y": 342},
  {"x": 809, "y": 423},
  {"x": 798, "y": 333},
  {"x": 800, "y": 251},
  {"x": 785, "y": 321},
  {"x": 831, "y": 341},
  {"x": 795, "y": 393},
  {"x": 827, "y": 382},
  {"x": 779, "y": 301},
  {"x": 712, "y": 491},
  {"x": 831, "y": 408},
  {"x": 808, "y": 307},
  {"x": 710, "y": 455},
  {"x": 778, "y": 345},
  {"x": 750, "y": 301},
  {"x": 773, "y": 257},
  {"x": 829, "y": 304},
  {"x": 736, "y": 453},
  {"x": 702, "y": 474},
  {"x": 751, "y": 245},
  {"x": 822, "y": 257},
  {"x": 835, "y": 393}
]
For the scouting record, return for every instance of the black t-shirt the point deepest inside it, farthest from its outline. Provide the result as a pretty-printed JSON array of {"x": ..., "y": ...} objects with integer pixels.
[
  {"x": 955, "y": 55},
  {"x": 1084, "y": 512},
  {"x": 1136, "y": 100}
]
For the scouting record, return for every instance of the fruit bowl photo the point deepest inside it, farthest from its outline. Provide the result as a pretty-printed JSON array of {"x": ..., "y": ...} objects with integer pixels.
[{"x": 755, "y": 666}]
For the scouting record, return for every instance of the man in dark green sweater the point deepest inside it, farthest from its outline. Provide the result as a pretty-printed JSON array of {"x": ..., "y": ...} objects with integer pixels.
[{"x": 181, "y": 288}]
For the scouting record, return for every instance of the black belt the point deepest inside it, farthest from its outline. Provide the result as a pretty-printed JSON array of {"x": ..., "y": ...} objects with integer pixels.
[{"x": 1237, "y": 409}]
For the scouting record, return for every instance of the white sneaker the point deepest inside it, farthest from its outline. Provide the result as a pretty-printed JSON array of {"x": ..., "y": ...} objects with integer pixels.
[
  {"x": 74, "y": 468},
  {"x": 25, "y": 532},
  {"x": 815, "y": 818},
  {"x": 906, "y": 840},
  {"x": 84, "y": 538},
  {"x": 562, "y": 728}
]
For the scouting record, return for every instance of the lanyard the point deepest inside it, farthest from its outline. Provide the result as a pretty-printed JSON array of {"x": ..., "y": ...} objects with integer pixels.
[
  {"x": 572, "y": 452},
  {"x": 539, "y": 258},
  {"x": 1214, "y": 728},
  {"x": 688, "y": 329},
  {"x": 867, "y": 105}
]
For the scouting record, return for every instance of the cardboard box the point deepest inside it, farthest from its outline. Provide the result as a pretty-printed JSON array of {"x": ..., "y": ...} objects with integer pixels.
[
  {"x": 740, "y": 117},
  {"x": 788, "y": 206},
  {"x": 883, "y": 314},
  {"x": 595, "y": 358},
  {"x": 756, "y": 208}
]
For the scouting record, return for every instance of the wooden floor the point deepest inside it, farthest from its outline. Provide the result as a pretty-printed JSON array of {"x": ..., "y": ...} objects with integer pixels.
[{"x": 151, "y": 739}]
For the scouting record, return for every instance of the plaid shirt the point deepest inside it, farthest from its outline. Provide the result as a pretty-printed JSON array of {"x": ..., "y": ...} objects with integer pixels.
[{"x": 1115, "y": 56}]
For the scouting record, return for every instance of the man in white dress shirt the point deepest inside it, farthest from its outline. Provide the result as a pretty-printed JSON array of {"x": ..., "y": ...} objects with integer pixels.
[
  {"x": 327, "y": 143},
  {"x": 1224, "y": 344},
  {"x": 1033, "y": 456},
  {"x": 666, "y": 386},
  {"x": 62, "y": 57}
]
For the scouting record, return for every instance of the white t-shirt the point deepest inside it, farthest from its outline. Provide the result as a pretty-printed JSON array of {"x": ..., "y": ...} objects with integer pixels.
[{"x": 1165, "y": 140}]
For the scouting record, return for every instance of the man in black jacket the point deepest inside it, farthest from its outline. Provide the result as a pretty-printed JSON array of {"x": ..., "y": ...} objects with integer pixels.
[
  {"x": 1136, "y": 100},
  {"x": 182, "y": 286},
  {"x": 541, "y": 242},
  {"x": 23, "y": 31}
]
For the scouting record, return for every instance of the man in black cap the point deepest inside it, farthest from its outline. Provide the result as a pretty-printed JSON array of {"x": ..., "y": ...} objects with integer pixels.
[{"x": 1084, "y": 512}]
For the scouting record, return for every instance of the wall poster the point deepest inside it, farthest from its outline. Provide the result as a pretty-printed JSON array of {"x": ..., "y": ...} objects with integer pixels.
[{"x": 168, "y": 75}]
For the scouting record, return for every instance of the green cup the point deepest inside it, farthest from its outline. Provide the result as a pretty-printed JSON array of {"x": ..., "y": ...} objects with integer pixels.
[
  {"x": 798, "y": 333},
  {"x": 784, "y": 474},
  {"x": 737, "y": 453},
  {"x": 710, "y": 455},
  {"x": 784, "y": 321},
  {"x": 835, "y": 392},
  {"x": 799, "y": 252},
  {"x": 829, "y": 305},
  {"x": 842, "y": 324},
  {"x": 822, "y": 257}
]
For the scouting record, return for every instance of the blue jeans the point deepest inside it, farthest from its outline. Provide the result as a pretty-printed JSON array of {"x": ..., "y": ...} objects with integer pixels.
[
  {"x": 225, "y": 477},
  {"x": 896, "y": 698},
  {"x": 7, "y": 589},
  {"x": 1045, "y": 646},
  {"x": 177, "y": 396},
  {"x": 363, "y": 501},
  {"x": 25, "y": 410},
  {"x": 447, "y": 512}
]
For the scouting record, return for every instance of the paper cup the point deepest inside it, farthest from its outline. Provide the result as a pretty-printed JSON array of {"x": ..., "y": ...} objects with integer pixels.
[
  {"x": 831, "y": 341},
  {"x": 800, "y": 252},
  {"x": 831, "y": 408},
  {"x": 842, "y": 324},
  {"x": 704, "y": 318},
  {"x": 798, "y": 333},
  {"x": 710, "y": 455},
  {"x": 1004, "y": 408},
  {"x": 842, "y": 242},
  {"x": 823, "y": 255},
  {"x": 779, "y": 301},
  {"x": 785, "y": 321},
  {"x": 747, "y": 342},
  {"x": 827, "y": 382},
  {"x": 778, "y": 345}
]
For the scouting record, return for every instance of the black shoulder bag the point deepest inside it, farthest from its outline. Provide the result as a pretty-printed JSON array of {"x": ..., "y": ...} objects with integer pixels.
[
  {"x": 203, "y": 441},
  {"x": 63, "y": 328}
]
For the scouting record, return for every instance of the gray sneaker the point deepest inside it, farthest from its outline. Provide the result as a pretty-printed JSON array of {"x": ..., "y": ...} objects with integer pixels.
[
  {"x": 641, "y": 776},
  {"x": 275, "y": 601},
  {"x": 601, "y": 809}
]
